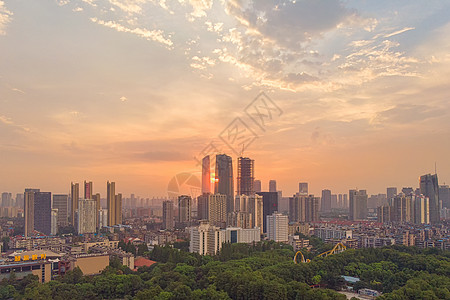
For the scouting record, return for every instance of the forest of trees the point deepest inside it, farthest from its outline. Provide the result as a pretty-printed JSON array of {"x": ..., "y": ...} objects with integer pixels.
[{"x": 261, "y": 271}]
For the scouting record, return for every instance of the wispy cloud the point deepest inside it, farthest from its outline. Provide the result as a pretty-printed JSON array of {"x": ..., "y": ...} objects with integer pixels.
[
  {"x": 5, "y": 17},
  {"x": 153, "y": 35}
]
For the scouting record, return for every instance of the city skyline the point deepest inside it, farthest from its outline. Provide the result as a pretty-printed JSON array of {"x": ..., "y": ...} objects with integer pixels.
[{"x": 132, "y": 91}]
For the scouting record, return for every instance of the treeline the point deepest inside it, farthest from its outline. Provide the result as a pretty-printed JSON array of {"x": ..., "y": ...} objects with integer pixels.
[{"x": 263, "y": 270}]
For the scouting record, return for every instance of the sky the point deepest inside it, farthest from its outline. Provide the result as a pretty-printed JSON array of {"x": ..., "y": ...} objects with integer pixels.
[{"x": 340, "y": 94}]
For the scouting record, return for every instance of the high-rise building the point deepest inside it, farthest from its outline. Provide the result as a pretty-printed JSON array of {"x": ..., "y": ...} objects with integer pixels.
[
  {"x": 43, "y": 212},
  {"x": 345, "y": 201},
  {"x": 297, "y": 208},
  {"x": 407, "y": 191},
  {"x": 270, "y": 205},
  {"x": 312, "y": 208},
  {"x": 326, "y": 201},
  {"x": 429, "y": 187},
  {"x": 61, "y": 202},
  {"x": 401, "y": 212},
  {"x": 168, "y": 222},
  {"x": 334, "y": 201},
  {"x": 206, "y": 175},
  {"x": 118, "y": 208},
  {"x": 240, "y": 219},
  {"x": 277, "y": 227},
  {"x": 217, "y": 210},
  {"x": 102, "y": 218},
  {"x": 444, "y": 196},
  {"x": 241, "y": 203},
  {"x": 87, "y": 216},
  {"x": 384, "y": 214},
  {"x": 202, "y": 206},
  {"x": 29, "y": 211},
  {"x": 257, "y": 186},
  {"x": 74, "y": 196},
  {"x": 88, "y": 192},
  {"x": 224, "y": 179},
  {"x": 111, "y": 202},
  {"x": 97, "y": 199},
  {"x": 358, "y": 205},
  {"x": 54, "y": 221},
  {"x": 255, "y": 207},
  {"x": 6, "y": 199},
  {"x": 303, "y": 208},
  {"x": 19, "y": 200},
  {"x": 206, "y": 239},
  {"x": 391, "y": 192},
  {"x": 421, "y": 209},
  {"x": 303, "y": 188},
  {"x": 272, "y": 185},
  {"x": 184, "y": 210},
  {"x": 245, "y": 176}
]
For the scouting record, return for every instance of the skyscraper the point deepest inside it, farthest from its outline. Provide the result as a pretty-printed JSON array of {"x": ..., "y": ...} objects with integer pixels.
[
  {"x": 87, "y": 216},
  {"x": 312, "y": 208},
  {"x": 97, "y": 199},
  {"x": 6, "y": 199},
  {"x": 206, "y": 175},
  {"x": 303, "y": 188},
  {"x": 88, "y": 192},
  {"x": 184, "y": 210},
  {"x": 54, "y": 221},
  {"x": 358, "y": 205},
  {"x": 202, "y": 206},
  {"x": 43, "y": 212},
  {"x": 110, "y": 202},
  {"x": 421, "y": 209},
  {"x": 114, "y": 203},
  {"x": 118, "y": 208},
  {"x": 391, "y": 192},
  {"x": 74, "y": 196},
  {"x": 429, "y": 187},
  {"x": 255, "y": 207},
  {"x": 19, "y": 200},
  {"x": 444, "y": 196},
  {"x": 277, "y": 227},
  {"x": 168, "y": 215},
  {"x": 224, "y": 179},
  {"x": 29, "y": 210},
  {"x": 245, "y": 176},
  {"x": 303, "y": 208},
  {"x": 257, "y": 186},
  {"x": 401, "y": 208},
  {"x": 272, "y": 185},
  {"x": 407, "y": 191},
  {"x": 60, "y": 202},
  {"x": 326, "y": 201},
  {"x": 270, "y": 205}
]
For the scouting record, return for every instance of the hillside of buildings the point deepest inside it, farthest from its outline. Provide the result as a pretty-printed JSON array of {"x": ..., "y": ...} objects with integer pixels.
[{"x": 263, "y": 270}]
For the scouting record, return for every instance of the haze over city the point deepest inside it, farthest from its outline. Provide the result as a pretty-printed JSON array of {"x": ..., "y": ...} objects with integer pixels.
[{"x": 132, "y": 91}]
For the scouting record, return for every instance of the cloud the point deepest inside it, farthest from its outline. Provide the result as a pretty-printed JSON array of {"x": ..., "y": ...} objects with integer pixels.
[
  {"x": 153, "y": 35},
  {"x": 408, "y": 113},
  {"x": 200, "y": 7},
  {"x": 129, "y": 6},
  {"x": 77, "y": 9},
  {"x": 123, "y": 99},
  {"x": 9, "y": 122},
  {"x": 6, "y": 120},
  {"x": 5, "y": 17}
]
